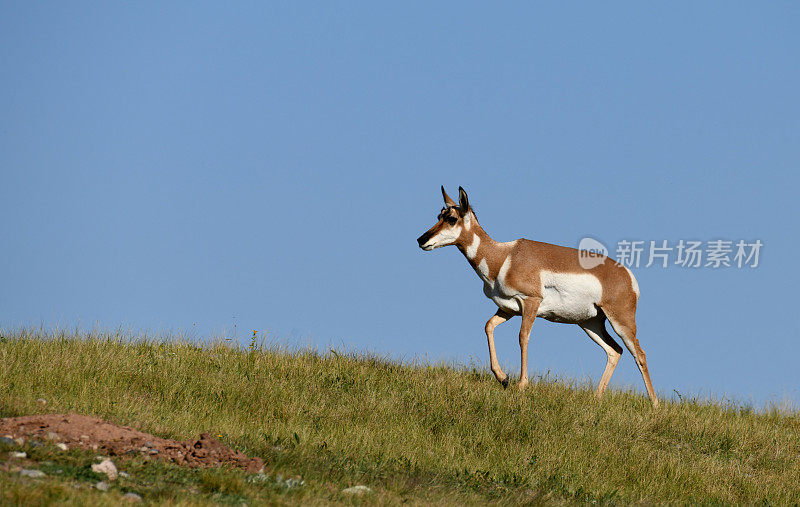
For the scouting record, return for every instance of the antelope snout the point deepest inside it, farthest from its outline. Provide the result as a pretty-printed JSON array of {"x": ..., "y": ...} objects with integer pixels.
[{"x": 422, "y": 240}]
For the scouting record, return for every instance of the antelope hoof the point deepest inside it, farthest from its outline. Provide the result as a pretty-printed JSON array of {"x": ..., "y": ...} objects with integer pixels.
[
  {"x": 522, "y": 385},
  {"x": 505, "y": 382}
]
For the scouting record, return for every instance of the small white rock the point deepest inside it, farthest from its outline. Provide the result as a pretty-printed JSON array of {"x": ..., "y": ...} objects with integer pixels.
[
  {"x": 62, "y": 446},
  {"x": 106, "y": 467},
  {"x": 124, "y": 474},
  {"x": 102, "y": 486},
  {"x": 35, "y": 474},
  {"x": 357, "y": 490},
  {"x": 51, "y": 435},
  {"x": 19, "y": 441},
  {"x": 16, "y": 454},
  {"x": 133, "y": 497},
  {"x": 41, "y": 401}
]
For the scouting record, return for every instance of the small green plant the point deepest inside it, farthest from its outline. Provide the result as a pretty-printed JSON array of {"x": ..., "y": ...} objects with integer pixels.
[{"x": 222, "y": 481}]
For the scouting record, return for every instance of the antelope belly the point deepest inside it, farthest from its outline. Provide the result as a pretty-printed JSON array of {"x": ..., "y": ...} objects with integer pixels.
[
  {"x": 508, "y": 304},
  {"x": 503, "y": 297},
  {"x": 569, "y": 297}
]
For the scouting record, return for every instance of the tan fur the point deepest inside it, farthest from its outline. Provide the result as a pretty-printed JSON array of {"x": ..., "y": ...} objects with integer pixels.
[{"x": 525, "y": 261}]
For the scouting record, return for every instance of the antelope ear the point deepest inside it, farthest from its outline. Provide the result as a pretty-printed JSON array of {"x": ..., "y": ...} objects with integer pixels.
[
  {"x": 449, "y": 202},
  {"x": 463, "y": 201}
]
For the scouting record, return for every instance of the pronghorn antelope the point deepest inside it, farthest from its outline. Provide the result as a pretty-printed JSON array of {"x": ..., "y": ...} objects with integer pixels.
[{"x": 534, "y": 279}]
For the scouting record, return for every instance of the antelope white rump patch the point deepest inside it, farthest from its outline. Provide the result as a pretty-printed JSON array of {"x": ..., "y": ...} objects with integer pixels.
[{"x": 634, "y": 283}]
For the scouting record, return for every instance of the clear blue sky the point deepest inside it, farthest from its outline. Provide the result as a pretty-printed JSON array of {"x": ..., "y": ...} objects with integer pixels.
[{"x": 196, "y": 165}]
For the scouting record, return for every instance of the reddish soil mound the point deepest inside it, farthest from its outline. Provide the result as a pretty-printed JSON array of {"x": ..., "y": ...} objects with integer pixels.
[{"x": 93, "y": 433}]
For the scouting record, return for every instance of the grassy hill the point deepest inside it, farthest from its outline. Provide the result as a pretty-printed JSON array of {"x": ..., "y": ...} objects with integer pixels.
[{"x": 410, "y": 433}]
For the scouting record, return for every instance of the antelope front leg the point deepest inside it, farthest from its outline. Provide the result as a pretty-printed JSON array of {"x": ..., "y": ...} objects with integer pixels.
[
  {"x": 529, "y": 308},
  {"x": 498, "y": 318}
]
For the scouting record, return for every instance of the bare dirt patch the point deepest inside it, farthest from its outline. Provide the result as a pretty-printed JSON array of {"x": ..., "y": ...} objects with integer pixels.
[{"x": 114, "y": 440}]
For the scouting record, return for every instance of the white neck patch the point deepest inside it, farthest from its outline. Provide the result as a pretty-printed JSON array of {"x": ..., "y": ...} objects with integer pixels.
[
  {"x": 501, "y": 276},
  {"x": 472, "y": 249},
  {"x": 483, "y": 269}
]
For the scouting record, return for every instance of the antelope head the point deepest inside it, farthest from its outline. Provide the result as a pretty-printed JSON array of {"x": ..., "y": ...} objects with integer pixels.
[{"x": 451, "y": 222}]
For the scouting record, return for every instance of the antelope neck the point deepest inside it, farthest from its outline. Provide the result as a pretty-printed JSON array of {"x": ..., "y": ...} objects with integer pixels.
[{"x": 473, "y": 241}]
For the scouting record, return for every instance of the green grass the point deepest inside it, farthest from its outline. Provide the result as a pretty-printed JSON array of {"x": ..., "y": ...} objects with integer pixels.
[{"x": 411, "y": 433}]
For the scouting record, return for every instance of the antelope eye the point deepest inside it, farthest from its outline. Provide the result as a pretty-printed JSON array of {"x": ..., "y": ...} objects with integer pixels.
[{"x": 451, "y": 220}]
